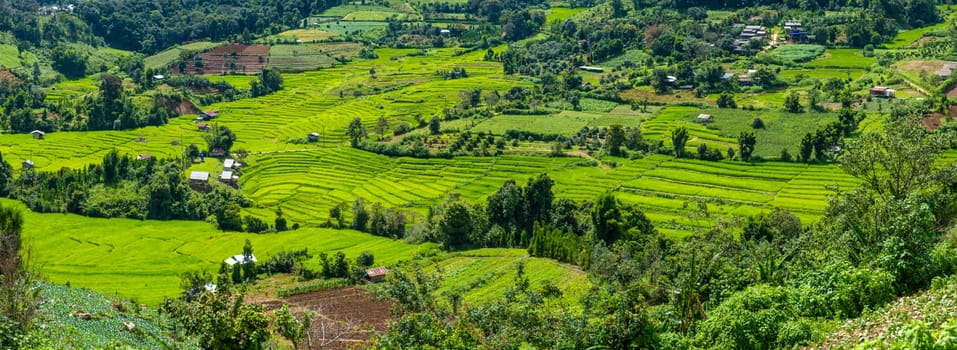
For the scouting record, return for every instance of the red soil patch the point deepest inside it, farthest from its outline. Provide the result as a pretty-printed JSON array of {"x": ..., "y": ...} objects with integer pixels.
[
  {"x": 6, "y": 76},
  {"x": 932, "y": 121},
  {"x": 235, "y": 58},
  {"x": 345, "y": 317}
]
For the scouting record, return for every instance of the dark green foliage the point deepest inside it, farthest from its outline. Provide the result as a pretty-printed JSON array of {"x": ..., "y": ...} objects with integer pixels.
[
  {"x": 283, "y": 262},
  {"x": 792, "y": 103},
  {"x": 552, "y": 242},
  {"x": 19, "y": 299},
  {"x": 229, "y": 219},
  {"x": 360, "y": 216},
  {"x": 807, "y": 147},
  {"x": 365, "y": 259},
  {"x": 6, "y": 177},
  {"x": 757, "y": 123},
  {"x": 746, "y": 143},
  {"x": 751, "y": 319},
  {"x": 613, "y": 220},
  {"x": 356, "y": 131},
  {"x": 455, "y": 224},
  {"x": 614, "y": 139},
  {"x": 785, "y": 155},
  {"x": 280, "y": 222},
  {"x": 255, "y": 225},
  {"x": 726, "y": 100},
  {"x": 336, "y": 268},
  {"x": 221, "y": 320},
  {"x": 220, "y": 137},
  {"x": 679, "y": 137},
  {"x": 69, "y": 62},
  {"x": 435, "y": 126},
  {"x": 270, "y": 80}
]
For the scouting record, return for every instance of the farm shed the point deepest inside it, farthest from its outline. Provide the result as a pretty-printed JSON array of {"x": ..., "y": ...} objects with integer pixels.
[
  {"x": 198, "y": 180},
  {"x": 313, "y": 137},
  {"x": 377, "y": 274},
  {"x": 27, "y": 163},
  {"x": 592, "y": 69},
  {"x": 202, "y": 126},
  {"x": 704, "y": 118},
  {"x": 880, "y": 91},
  {"x": 207, "y": 115},
  {"x": 239, "y": 259},
  {"x": 228, "y": 177},
  {"x": 144, "y": 156},
  {"x": 37, "y": 134},
  {"x": 228, "y": 163},
  {"x": 217, "y": 152}
]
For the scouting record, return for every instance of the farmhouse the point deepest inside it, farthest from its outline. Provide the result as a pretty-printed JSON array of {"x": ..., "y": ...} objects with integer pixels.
[
  {"x": 202, "y": 126},
  {"x": 207, "y": 115},
  {"x": 239, "y": 259},
  {"x": 880, "y": 91},
  {"x": 592, "y": 69},
  {"x": 228, "y": 163},
  {"x": 144, "y": 156},
  {"x": 704, "y": 118},
  {"x": 313, "y": 137},
  {"x": 376, "y": 274},
  {"x": 27, "y": 164},
  {"x": 159, "y": 77},
  {"x": 749, "y": 33},
  {"x": 37, "y": 134},
  {"x": 217, "y": 152},
  {"x": 198, "y": 180},
  {"x": 228, "y": 177}
]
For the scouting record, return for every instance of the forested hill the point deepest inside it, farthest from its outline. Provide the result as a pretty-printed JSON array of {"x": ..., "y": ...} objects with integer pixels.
[{"x": 151, "y": 26}]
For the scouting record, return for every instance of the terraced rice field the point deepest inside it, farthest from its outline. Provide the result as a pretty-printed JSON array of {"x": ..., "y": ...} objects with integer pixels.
[
  {"x": 298, "y": 58},
  {"x": 843, "y": 58},
  {"x": 144, "y": 260},
  {"x": 308, "y": 179},
  {"x": 305, "y": 35},
  {"x": 170, "y": 56}
]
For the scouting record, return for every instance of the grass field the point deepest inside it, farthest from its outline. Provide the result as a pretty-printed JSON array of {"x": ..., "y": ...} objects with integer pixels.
[
  {"x": 560, "y": 14},
  {"x": 71, "y": 88},
  {"x": 843, "y": 58},
  {"x": 168, "y": 57},
  {"x": 798, "y": 52},
  {"x": 144, "y": 259},
  {"x": 9, "y": 56},
  {"x": 565, "y": 123},
  {"x": 821, "y": 74},
  {"x": 306, "y": 35},
  {"x": 364, "y": 29},
  {"x": 298, "y": 58},
  {"x": 345, "y": 10}
]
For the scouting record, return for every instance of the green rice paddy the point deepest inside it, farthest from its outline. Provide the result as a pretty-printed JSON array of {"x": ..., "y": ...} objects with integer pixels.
[{"x": 143, "y": 259}]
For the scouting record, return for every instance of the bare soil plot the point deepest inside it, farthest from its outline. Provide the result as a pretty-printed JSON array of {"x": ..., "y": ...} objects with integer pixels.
[
  {"x": 344, "y": 319},
  {"x": 234, "y": 58}
]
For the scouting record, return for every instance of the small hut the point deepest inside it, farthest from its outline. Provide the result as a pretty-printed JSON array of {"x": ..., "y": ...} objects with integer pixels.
[{"x": 377, "y": 274}]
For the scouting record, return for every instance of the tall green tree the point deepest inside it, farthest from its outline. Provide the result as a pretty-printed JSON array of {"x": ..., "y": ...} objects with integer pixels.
[
  {"x": 746, "y": 142},
  {"x": 893, "y": 219},
  {"x": 356, "y": 131},
  {"x": 614, "y": 138},
  {"x": 19, "y": 297},
  {"x": 807, "y": 147},
  {"x": 792, "y": 103},
  {"x": 679, "y": 137}
]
